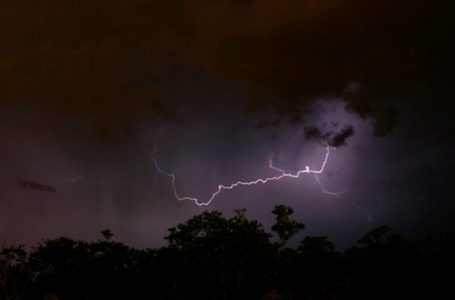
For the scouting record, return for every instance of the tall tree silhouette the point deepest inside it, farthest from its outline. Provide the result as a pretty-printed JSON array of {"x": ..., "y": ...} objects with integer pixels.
[
  {"x": 13, "y": 272},
  {"x": 284, "y": 227}
]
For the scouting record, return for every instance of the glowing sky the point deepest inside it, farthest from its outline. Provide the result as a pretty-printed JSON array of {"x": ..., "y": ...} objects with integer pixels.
[
  {"x": 85, "y": 87},
  {"x": 99, "y": 185}
]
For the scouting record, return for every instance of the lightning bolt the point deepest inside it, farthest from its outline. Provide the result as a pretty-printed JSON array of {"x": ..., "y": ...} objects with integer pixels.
[
  {"x": 308, "y": 170},
  {"x": 221, "y": 187},
  {"x": 326, "y": 191}
]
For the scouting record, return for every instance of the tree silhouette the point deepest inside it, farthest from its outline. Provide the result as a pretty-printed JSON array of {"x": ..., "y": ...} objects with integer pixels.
[
  {"x": 107, "y": 234},
  {"x": 213, "y": 257},
  {"x": 13, "y": 272},
  {"x": 316, "y": 245},
  {"x": 318, "y": 266},
  {"x": 284, "y": 227},
  {"x": 380, "y": 236},
  {"x": 228, "y": 254}
]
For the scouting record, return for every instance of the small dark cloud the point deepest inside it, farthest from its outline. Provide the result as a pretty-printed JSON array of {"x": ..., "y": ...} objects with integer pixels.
[
  {"x": 333, "y": 138},
  {"x": 312, "y": 133},
  {"x": 339, "y": 138},
  {"x": 32, "y": 185}
]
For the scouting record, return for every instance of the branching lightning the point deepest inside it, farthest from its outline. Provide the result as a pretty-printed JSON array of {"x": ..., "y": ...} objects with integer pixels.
[
  {"x": 326, "y": 191},
  {"x": 283, "y": 174}
]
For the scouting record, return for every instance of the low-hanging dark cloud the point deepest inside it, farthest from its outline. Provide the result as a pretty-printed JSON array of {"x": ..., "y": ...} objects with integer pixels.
[{"x": 33, "y": 185}]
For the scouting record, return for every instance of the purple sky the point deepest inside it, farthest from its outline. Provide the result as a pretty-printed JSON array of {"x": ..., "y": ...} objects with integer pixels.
[
  {"x": 85, "y": 86},
  {"x": 388, "y": 180}
]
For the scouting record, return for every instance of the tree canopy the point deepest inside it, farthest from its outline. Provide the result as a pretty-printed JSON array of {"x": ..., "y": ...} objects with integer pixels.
[{"x": 214, "y": 257}]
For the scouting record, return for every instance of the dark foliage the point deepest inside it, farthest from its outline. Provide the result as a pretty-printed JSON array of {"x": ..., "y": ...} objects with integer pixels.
[{"x": 212, "y": 257}]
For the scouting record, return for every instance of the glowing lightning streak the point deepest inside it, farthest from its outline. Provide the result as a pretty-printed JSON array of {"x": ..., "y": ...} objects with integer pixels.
[
  {"x": 222, "y": 187},
  {"x": 326, "y": 191},
  {"x": 323, "y": 189}
]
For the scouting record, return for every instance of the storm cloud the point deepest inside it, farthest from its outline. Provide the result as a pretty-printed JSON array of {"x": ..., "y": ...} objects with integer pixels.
[
  {"x": 111, "y": 62},
  {"x": 85, "y": 86}
]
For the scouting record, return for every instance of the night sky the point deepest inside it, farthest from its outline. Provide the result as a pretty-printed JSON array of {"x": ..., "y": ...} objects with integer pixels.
[{"x": 91, "y": 92}]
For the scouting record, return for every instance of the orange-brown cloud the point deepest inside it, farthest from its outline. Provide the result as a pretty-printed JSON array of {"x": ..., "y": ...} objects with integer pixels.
[{"x": 105, "y": 60}]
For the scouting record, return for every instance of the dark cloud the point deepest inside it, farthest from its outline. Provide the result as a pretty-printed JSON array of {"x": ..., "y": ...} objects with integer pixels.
[
  {"x": 339, "y": 138},
  {"x": 89, "y": 59},
  {"x": 32, "y": 185},
  {"x": 108, "y": 62},
  {"x": 313, "y": 133},
  {"x": 334, "y": 138},
  {"x": 288, "y": 53}
]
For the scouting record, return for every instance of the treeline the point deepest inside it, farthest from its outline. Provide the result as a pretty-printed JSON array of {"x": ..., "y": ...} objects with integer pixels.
[{"x": 213, "y": 257}]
